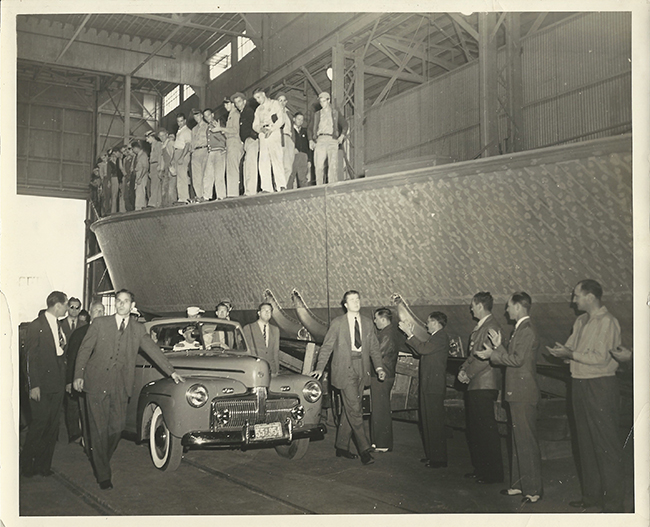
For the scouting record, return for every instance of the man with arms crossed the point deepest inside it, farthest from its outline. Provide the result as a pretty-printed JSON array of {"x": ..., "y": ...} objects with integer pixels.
[
  {"x": 352, "y": 343},
  {"x": 595, "y": 398}
]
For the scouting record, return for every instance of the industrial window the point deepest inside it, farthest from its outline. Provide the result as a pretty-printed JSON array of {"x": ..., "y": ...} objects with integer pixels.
[
  {"x": 244, "y": 46},
  {"x": 172, "y": 100},
  {"x": 108, "y": 301},
  {"x": 220, "y": 61},
  {"x": 187, "y": 91}
]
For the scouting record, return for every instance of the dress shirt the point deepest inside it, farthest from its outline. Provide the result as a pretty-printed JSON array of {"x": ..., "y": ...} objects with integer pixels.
[
  {"x": 232, "y": 124},
  {"x": 262, "y": 324},
  {"x": 264, "y": 113},
  {"x": 54, "y": 326},
  {"x": 183, "y": 136},
  {"x": 351, "y": 318},
  {"x": 480, "y": 322},
  {"x": 592, "y": 338},
  {"x": 216, "y": 140},
  {"x": 119, "y": 318},
  {"x": 326, "y": 125},
  {"x": 520, "y": 321},
  {"x": 200, "y": 135}
]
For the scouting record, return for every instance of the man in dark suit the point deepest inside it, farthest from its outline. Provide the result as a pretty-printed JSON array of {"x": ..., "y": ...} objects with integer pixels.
[
  {"x": 45, "y": 356},
  {"x": 482, "y": 391},
  {"x": 352, "y": 343},
  {"x": 105, "y": 370},
  {"x": 264, "y": 338},
  {"x": 70, "y": 400},
  {"x": 73, "y": 415},
  {"x": 301, "y": 168},
  {"x": 381, "y": 419},
  {"x": 433, "y": 368},
  {"x": 71, "y": 322},
  {"x": 522, "y": 396}
]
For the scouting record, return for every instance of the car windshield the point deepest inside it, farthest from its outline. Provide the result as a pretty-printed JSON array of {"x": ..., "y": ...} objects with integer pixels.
[{"x": 179, "y": 336}]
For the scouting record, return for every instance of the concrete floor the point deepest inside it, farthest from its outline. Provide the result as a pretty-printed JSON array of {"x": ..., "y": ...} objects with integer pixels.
[{"x": 260, "y": 482}]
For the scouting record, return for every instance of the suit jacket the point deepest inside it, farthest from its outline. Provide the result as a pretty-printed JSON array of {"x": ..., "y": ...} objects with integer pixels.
[
  {"x": 390, "y": 341},
  {"x": 337, "y": 343},
  {"x": 45, "y": 369},
  {"x": 520, "y": 360},
  {"x": 433, "y": 361},
  {"x": 94, "y": 356},
  {"x": 67, "y": 330},
  {"x": 74, "y": 342},
  {"x": 270, "y": 353},
  {"x": 301, "y": 141},
  {"x": 480, "y": 372}
]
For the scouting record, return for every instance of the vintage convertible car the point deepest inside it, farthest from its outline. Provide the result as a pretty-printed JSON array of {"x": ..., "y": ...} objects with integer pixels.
[{"x": 228, "y": 400}]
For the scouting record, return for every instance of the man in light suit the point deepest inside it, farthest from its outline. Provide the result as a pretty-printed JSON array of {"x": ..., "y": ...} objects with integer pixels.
[
  {"x": 264, "y": 338},
  {"x": 433, "y": 369},
  {"x": 522, "y": 396},
  {"x": 105, "y": 370},
  {"x": 44, "y": 351},
  {"x": 352, "y": 343},
  {"x": 482, "y": 391}
]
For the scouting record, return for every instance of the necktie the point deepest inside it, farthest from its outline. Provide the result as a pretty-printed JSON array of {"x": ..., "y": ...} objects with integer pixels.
[
  {"x": 357, "y": 334},
  {"x": 122, "y": 326},
  {"x": 264, "y": 335},
  {"x": 72, "y": 325},
  {"x": 61, "y": 337}
]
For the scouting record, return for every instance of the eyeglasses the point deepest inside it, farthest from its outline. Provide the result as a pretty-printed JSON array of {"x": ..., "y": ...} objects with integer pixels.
[{"x": 74, "y": 307}]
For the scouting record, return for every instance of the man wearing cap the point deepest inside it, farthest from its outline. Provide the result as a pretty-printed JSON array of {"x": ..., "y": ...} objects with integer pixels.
[
  {"x": 156, "y": 168},
  {"x": 251, "y": 142},
  {"x": 189, "y": 341},
  {"x": 327, "y": 132},
  {"x": 288, "y": 147},
  {"x": 215, "y": 168},
  {"x": 234, "y": 149},
  {"x": 269, "y": 119},
  {"x": 199, "y": 152},
  {"x": 182, "y": 148},
  {"x": 194, "y": 312},
  {"x": 141, "y": 171}
]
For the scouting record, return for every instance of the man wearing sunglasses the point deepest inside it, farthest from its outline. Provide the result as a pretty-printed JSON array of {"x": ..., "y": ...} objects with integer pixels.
[
  {"x": 71, "y": 322},
  {"x": 70, "y": 400}
]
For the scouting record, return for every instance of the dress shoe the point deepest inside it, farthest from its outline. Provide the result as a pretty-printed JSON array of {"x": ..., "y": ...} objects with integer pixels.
[
  {"x": 531, "y": 498},
  {"x": 488, "y": 481},
  {"x": 510, "y": 492},
  {"x": 366, "y": 457},
  {"x": 106, "y": 484},
  {"x": 47, "y": 473},
  {"x": 382, "y": 449},
  {"x": 471, "y": 475},
  {"x": 582, "y": 504},
  {"x": 436, "y": 464},
  {"x": 345, "y": 453}
]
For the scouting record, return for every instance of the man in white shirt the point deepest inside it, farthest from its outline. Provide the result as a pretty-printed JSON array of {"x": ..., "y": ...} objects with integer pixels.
[
  {"x": 182, "y": 148},
  {"x": 269, "y": 118},
  {"x": 288, "y": 147},
  {"x": 199, "y": 153},
  {"x": 45, "y": 356}
]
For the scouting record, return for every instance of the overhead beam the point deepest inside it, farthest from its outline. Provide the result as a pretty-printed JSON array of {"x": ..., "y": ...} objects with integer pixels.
[
  {"x": 323, "y": 46},
  {"x": 311, "y": 80},
  {"x": 536, "y": 25},
  {"x": 383, "y": 72},
  {"x": 465, "y": 25},
  {"x": 390, "y": 42},
  {"x": 76, "y": 34},
  {"x": 463, "y": 44},
  {"x": 160, "y": 18},
  {"x": 487, "y": 59},
  {"x": 387, "y": 52}
]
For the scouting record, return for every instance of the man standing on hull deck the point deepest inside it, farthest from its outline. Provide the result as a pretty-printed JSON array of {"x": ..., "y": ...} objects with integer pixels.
[
  {"x": 269, "y": 119},
  {"x": 595, "y": 397},
  {"x": 251, "y": 143},
  {"x": 105, "y": 370},
  {"x": 327, "y": 132},
  {"x": 352, "y": 343}
]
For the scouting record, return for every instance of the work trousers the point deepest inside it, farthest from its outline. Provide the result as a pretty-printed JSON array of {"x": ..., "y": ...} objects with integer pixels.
[
  {"x": 351, "y": 421},
  {"x": 526, "y": 465},
  {"x": 155, "y": 198},
  {"x": 181, "y": 175},
  {"x": 381, "y": 419},
  {"x": 234, "y": 153},
  {"x": 251, "y": 156},
  {"x": 72, "y": 414},
  {"x": 215, "y": 174},
  {"x": 596, "y": 412},
  {"x": 199, "y": 161},
  {"x": 107, "y": 192},
  {"x": 115, "y": 189},
  {"x": 141, "y": 193},
  {"x": 168, "y": 190},
  {"x": 128, "y": 187},
  {"x": 42, "y": 433},
  {"x": 432, "y": 423},
  {"x": 299, "y": 171},
  {"x": 483, "y": 434},
  {"x": 327, "y": 149},
  {"x": 288, "y": 155},
  {"x": 106, "y": 420},
  {"x": 271, "y": 157}
]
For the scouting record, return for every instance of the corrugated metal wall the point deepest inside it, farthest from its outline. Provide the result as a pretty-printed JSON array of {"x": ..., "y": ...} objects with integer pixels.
[{"x": 577, "y": 86}]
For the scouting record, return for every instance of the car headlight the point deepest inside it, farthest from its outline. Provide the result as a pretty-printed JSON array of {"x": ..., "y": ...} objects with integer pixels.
[
  {"x": 197, "y": 395},
  {"x": 312, "y": 391}
]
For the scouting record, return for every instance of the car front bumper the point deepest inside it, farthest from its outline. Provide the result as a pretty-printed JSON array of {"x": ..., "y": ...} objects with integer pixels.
[{"x": 243, "y": 438}]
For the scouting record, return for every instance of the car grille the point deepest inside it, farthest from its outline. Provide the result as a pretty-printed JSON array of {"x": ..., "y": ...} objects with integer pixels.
[{"x": 254, "y": 408}]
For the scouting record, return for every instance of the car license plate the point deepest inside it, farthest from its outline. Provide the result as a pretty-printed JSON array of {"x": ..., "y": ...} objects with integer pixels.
[{"x": 267, "y": 431}]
